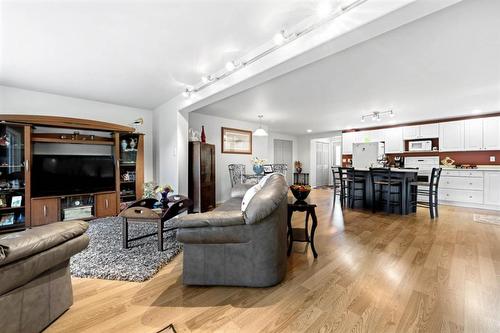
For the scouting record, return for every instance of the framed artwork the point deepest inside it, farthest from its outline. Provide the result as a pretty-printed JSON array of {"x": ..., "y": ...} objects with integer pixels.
[
  {"x": 7, "y": 219},
  {"x": 236, "y": 141},
  {"x": 16, "y": 201},
  {"x": 268, "y": 168}
]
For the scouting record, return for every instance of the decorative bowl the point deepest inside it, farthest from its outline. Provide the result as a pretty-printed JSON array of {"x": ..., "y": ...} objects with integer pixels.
[{"x": 300, "y": 192}]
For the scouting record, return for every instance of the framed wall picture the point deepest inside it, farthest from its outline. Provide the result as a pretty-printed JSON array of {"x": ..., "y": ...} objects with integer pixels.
[{"x": 236, "y": 141}]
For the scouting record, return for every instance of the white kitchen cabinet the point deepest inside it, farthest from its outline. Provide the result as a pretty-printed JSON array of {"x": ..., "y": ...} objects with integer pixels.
[
  {"x": 473, "y": 134},
  {"x": 411, "y": 132},
  {"x": 451, "y": 136},
  {"x": 347, "y": 140},
  {"x": 427, "y": 131},
  {"x": 393, "y": 138},
  {"x": 492, "y": 188},
  {"x": 491, "y": 133}
]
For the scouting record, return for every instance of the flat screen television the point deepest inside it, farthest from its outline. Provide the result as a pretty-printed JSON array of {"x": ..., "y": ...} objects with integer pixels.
[{"x": 71, "y": 174}]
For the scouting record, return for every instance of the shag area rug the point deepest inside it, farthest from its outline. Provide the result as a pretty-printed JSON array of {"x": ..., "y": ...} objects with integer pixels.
[{"x": 105, "y": 258}]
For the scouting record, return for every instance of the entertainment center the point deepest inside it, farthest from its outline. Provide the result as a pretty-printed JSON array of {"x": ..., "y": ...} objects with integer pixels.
[{"x": 58, "y": 169}]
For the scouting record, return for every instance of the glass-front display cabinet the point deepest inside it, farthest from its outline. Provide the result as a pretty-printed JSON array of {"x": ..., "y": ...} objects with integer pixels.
[
  {"x": 14, "y": 176},
  {"x": 131, "y": 167}
]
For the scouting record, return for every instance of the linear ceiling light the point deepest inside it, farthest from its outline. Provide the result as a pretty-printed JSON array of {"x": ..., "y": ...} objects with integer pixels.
[
  {"x": 377, "y": 115},
  {"x": 326, "y": 12}
]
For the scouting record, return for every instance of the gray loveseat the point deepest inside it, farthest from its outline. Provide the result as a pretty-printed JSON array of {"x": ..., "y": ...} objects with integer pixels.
[
  {"x": 35, "y": 283},
  {"x": 227, "y": 247}
]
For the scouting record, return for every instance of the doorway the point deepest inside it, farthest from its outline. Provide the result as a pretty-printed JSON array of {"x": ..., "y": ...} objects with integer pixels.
[
  {"x": 325, "y": 153},
  {"x": 283, "y": 154}
]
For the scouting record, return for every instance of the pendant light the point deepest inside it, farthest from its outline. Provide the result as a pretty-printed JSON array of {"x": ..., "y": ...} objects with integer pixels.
[{"x": 260, "y": 131}]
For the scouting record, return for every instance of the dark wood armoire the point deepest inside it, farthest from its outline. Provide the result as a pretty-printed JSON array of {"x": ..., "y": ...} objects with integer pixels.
[{"x": 202, "y": 176}]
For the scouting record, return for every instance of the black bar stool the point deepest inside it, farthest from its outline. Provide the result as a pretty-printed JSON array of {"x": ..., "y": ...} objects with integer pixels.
[
  {"x": 428, "y": 189},
  {"x": 384, "y": 186},
  {"x": 337, "y": 183},
  {"x": 351, "y": 184}
]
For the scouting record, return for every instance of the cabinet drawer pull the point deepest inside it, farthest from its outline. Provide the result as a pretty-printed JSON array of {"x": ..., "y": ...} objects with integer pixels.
[
  {"x": 106, "y": 203},
  {"x": 45, "y": 210}
]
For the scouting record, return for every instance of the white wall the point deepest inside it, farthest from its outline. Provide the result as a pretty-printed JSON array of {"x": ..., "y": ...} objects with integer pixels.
[
  {"x": 20, "y": 101},
  {"x": 213, "y": 132}
]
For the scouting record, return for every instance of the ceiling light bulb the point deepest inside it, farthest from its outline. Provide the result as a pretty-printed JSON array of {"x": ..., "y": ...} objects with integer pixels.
[
  {"x": 186, "y": 93},
  {"x": 279, "y": 38},
  {"x": 476, "y": 111},
  {"x": 205, "y": 79},
  {"x": 362, "y": 119},
  {"x": 391, "y": 114},
  {"x": 309, "y": 131},
  {"x": 230, "y": 66}
]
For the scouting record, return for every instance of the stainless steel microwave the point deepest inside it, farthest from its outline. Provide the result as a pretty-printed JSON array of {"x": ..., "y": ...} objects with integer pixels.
[{"x": 423, "y": 145}]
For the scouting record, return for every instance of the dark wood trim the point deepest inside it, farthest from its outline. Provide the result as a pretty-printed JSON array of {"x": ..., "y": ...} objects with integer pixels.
[
  {"x": 235, "y": 130},
  {"x": 27, "y": 174},
  {"x": 83, "y": 139},
  {"x": 424, "y": 122},
  {"x": 139, "y": 168},
  {"x": 66, "y": 122},
  {"x": 116, "y": 137}
]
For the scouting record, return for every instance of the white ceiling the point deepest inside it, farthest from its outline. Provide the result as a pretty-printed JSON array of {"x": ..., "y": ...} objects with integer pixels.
[
  {"x": 445, "y": 64},
  {"x": 138, "y": 53}
]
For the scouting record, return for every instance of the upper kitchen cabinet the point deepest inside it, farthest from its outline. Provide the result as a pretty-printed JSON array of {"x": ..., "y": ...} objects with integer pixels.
[
  {"x": 347, "y": 141},
  {"x": 491, "y": 133},
  {"x": 473, "y": 134},
  {"x": 426, "y": 131},
  {"x": 451, "y": 136},
  {"x": 394, "y": 140}
]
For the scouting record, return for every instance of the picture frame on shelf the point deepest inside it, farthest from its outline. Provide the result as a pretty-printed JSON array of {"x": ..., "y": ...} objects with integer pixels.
[
  {"x": 236, "y": 141},
  {"x": 16, "y": 201},
  {"x": 7, "y": 219}
]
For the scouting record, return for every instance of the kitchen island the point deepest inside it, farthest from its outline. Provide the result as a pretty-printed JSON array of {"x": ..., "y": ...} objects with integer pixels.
[{"x": 406, "y": 176}]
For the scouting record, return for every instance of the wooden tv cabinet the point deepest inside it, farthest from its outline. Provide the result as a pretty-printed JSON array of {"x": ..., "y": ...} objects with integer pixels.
[{"x": 127, "y": 148}]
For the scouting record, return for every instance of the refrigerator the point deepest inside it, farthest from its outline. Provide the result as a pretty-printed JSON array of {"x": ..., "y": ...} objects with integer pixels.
[{"x": 367, "y": 155}]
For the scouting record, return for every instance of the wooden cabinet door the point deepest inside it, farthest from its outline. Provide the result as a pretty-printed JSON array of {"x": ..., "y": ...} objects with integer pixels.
[
  {"x": 451, "y": 136},
  {"x": 45, "y": 211},
  {"x": 491, "y": 133},
  {"x": 105, "y": 204},
  {"x": 394, "y": 140},
  {"x": 473, "y": 134}
]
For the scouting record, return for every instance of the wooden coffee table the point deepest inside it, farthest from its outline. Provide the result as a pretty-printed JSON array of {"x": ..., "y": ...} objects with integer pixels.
[{"x": 142, "y": 211}]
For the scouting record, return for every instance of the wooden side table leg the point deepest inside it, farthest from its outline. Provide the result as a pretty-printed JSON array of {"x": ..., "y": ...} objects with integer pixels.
[
  {"x": 125, "y": 233},
  {"x": 307, "y": 226},
  {"x": 314, "y": 225},
  {"x": 290, "y": 233},
  {"x": 160, "y": 234}
]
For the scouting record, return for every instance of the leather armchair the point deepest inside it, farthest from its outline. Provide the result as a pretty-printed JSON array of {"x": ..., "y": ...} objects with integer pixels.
[
  {"x": 35, "y": 282},
  {"x": 228, "y": 247}
]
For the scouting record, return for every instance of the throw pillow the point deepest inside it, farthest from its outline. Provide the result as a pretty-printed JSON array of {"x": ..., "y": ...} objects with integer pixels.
[
  {"x": 249, "y": 195},
  {"x": 264, "y": 179}
]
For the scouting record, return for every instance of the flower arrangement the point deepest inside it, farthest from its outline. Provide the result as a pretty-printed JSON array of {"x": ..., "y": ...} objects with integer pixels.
[
  {"x": 153, "y": 191},
  {"x": 257, "y": 161}
]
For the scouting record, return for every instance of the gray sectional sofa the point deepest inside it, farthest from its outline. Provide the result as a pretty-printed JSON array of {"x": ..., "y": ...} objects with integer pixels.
[
  {"x": 35, "y": 283},
  {"x": 228, "y": 247}
]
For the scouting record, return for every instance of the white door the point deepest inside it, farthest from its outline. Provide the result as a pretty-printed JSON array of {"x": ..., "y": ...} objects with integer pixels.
[
  {"x": 283, "y": 154},
  {"x": 322, "y": 163},
  {"x": 473, "y": 132},
  {"x": 491, "y": 133},
  {"x": 451, "y": 136},
  {"x": 492, "y": 188}
]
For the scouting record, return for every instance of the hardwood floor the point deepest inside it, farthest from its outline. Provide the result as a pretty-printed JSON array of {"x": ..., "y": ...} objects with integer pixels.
[{"x": 374, "y": 273}]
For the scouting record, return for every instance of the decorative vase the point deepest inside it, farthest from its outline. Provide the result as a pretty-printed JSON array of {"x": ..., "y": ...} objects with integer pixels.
[
  {"x": 124, "y": 145},
  {"x": 203, "y": 136},
  {"x": 133, "y": 143},
  {"x": 258, "y": 169},
  {"x": 299, "y": 170}
]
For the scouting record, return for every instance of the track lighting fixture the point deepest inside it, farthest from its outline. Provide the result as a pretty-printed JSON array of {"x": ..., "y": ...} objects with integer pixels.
[
  {"x": 377, "y": 115},
  {"x": 327, "y": 11}
]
